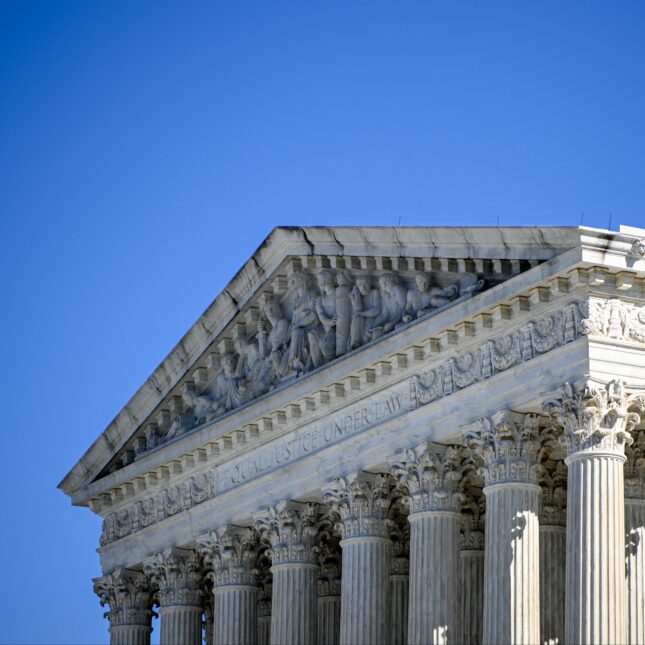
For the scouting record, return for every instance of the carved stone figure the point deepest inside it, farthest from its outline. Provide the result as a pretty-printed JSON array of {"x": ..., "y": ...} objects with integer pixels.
[
  {"x": 230, "y": 390},
  {"x": 304, "y": 324},
  {"x": 393, "y": 300},
  {"x": 419, "y": 298},
  {"x": 273, "y": 342},
  {"x": 200, "y": 405},
  {"x": 366, "y": 306},
  {"x": 343, "y": 312},
  {"x": 324, "y": 347}
]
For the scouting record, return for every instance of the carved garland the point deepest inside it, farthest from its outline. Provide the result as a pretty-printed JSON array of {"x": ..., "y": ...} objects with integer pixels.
[{"x": 494, "y": 356}]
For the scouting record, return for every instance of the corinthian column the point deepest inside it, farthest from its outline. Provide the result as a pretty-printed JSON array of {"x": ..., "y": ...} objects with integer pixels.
[
  {"x": 635, "y": 536},
  {"x": 553, "y": 518},
  {"x": 129, "y": 597},
  {"x": 472, "y": 562},
  {"x": 430, "y": 474},
  {"x": 596, "y": 422},
  {"x": 508, "y": 446},
  {"x": 290, "y": 528},
  {"x": 231, "y": 554},
  {"x": 362, "y": 500},
  {"x": 177, "y": 574}
]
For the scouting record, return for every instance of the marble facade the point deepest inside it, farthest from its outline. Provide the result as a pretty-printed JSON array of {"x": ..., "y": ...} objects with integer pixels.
[{"x": 396, "y": 435}]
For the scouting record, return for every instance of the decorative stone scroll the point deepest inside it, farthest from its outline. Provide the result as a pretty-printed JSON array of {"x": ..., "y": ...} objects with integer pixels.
[
  {"x": 322, "y": 316},
  {"x": 498, "y": 355},
  {"x": 595, "y": 417}
]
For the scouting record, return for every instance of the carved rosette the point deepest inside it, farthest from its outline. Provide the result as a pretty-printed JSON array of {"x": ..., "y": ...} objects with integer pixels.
[
  {"x": 361, "y": 501},
  {"x": 230, "y": 555},
  {"x": 291, "y": 529},
  {"x": 178, "y": 576},
  {"x": 507, "y": 445},
  {"x": 553, "y": 500},
  {"x": 128, "y": 595},
  {"x": 595, "y": 418},
  {"x": 635, "y": 468},
  {"x": 430, "y": 475}
]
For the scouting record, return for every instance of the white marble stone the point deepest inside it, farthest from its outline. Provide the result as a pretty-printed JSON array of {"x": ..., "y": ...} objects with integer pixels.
[{"x": 334, "y": 349}]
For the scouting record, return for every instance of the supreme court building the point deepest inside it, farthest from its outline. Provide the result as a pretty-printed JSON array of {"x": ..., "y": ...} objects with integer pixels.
[{"x": 389, "y": 435}]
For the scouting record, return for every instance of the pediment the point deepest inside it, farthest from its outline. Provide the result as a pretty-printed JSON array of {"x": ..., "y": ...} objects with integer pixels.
[{"x": 307, "y": 297}]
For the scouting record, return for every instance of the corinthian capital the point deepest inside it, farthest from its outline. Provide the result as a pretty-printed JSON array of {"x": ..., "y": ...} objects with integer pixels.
[
  {"x": 361, "y": 501},
  {"x": 635, "y": 468},
  {"x": 291, "y": 529},
  {"x": 507, "y": 445},
  {"x": 595, "y": 417},
  {"x": 128, "y": 595},
  {"x": 230, "y": 555},
  {"x": 430, "y": 474},
  {"x": 177, "y": 575}
]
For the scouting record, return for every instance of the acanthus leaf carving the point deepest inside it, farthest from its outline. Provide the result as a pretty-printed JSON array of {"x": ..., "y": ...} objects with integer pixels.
[
  {"x": 128, "y": 595},
  {"x": 177, "y": 575},
  {"x": 635, "y": 468},
  {"x": 595, "y": 417}
]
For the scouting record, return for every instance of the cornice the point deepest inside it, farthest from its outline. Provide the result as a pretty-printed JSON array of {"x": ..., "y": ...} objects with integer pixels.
[{"x": 446, "y": 349}]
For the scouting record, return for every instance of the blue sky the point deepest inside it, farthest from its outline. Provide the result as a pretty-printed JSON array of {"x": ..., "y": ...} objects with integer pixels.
[{"x": 147, "y": 148}]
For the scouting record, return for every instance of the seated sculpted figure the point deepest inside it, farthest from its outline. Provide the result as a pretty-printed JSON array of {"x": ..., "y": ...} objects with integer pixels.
[
  {"x": 230, "y": 390},
  {"x": 249, "y": 364},
  {"x": 366, "y": 306},
  {"x": 273, "y": 341},
  {"x": 393, "y": 300}
]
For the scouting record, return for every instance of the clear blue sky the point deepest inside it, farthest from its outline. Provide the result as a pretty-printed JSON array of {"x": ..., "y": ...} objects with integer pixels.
[{"x": 147, "y": 148}]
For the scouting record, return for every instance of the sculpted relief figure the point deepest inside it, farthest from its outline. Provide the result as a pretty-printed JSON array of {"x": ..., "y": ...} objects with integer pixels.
[
  {"x": 366, "y": 306},
  {"x": 343, "y": 312},
  {"x": 323, "y": 344},
  {"x": 230, "y": 390},
  {"x": 273, "y": 342},
  {"x": 304, "y": 324},
  {"x": 393, "y": 301},
  {"x": 421, "y": 299},
  {"x": 249, "y": 364}
]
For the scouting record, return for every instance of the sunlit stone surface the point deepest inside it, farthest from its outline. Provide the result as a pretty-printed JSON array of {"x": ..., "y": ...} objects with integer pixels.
[{"x": 389, "y": 435}]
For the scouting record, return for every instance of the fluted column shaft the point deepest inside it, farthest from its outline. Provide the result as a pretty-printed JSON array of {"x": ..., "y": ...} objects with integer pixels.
[
  {"x": 434, "y": 577},
  {"x": 511, "y": 566},
  {"x": 399, "y": 586},
  {"x": 180, "y": 625},
  {"x": 294, "y": 603},
  {"x": 472, "y": 596},
  {"x": 553, "y": 549},
  {"x": 364, "y": 590},
  {"x": 130, "y": 635},
  {"x": 328, "y": 620},
  {"x": 595, "y": 578},
  {"x": 635, "y": 533},
  {"x": 235, "y": 611}
]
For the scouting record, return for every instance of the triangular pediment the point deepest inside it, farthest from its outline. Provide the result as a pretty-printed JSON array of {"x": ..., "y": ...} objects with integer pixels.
[{"x": 307, "y": 297}]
